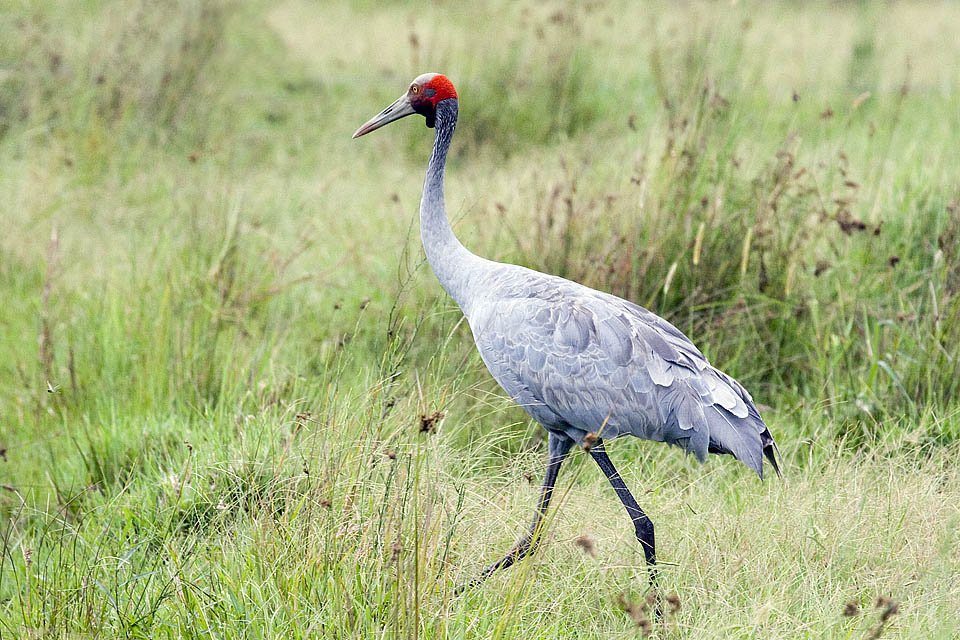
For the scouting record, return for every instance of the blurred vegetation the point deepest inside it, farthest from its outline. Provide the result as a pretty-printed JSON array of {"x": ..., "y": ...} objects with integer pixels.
[{"x": 221, "y": 344}]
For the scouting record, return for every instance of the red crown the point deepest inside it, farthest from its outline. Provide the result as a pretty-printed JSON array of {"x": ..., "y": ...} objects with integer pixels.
[{"x": 443, "y": 89}]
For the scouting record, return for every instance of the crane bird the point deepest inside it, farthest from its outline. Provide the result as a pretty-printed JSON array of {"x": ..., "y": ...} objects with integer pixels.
[{"x": 585, "y": 364}]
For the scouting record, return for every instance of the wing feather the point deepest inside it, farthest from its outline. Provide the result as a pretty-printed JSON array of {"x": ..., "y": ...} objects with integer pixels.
[{"x": 581, "y": 361}]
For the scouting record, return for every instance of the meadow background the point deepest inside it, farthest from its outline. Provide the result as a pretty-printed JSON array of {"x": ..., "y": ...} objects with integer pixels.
[{"x": 235, "y": 402}]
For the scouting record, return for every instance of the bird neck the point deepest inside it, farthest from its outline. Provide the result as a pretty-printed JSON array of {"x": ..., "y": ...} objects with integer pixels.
[{"x": 449, "y": 259}]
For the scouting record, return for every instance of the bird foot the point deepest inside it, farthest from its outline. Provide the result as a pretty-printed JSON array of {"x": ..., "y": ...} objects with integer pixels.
[{"x": 519, "y": 551}]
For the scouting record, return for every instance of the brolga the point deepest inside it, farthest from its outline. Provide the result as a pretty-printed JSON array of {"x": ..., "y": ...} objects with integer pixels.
[{"x": 585, "y": 364}]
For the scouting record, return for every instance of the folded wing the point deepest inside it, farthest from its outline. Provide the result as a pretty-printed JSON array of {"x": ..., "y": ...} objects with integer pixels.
[{"x": 583, "y": 361}]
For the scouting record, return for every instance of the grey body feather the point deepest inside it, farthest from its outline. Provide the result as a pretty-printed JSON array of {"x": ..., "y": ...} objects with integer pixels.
[{"x": 582, "y": 361}]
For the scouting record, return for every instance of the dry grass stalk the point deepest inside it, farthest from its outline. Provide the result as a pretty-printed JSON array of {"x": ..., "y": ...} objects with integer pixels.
[{"x": 45, "y": 336}]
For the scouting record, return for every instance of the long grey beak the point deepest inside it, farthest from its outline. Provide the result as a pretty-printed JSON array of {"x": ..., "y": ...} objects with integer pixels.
[{"x": 397, "y": 110}]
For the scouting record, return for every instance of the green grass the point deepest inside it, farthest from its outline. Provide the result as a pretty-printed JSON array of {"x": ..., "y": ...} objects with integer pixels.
[{"x": 219, "y": 334}]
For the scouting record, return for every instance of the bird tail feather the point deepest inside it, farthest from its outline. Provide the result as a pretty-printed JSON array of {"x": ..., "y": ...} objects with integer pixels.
[{"x": 771, "y": 451}]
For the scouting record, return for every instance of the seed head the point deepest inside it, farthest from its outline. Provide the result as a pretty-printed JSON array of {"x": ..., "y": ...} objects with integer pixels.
[
  {"x": 428, "y": 424},
  {"x": 646, "y": 627},
  {"x": 588, "y": 545},
  {"x": 674, "y": 601},
  {"x": 851, "y": 609},
  {"x": 890, "y": 608},
  {"x": 589, "y": 441},
  {"x": 636, "y": 613}
]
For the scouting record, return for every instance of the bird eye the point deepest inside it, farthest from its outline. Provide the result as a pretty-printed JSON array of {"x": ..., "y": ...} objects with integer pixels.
[{"x": 415, "y": 89}]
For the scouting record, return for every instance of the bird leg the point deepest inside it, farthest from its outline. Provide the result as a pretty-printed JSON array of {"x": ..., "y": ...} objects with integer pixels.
[
  {"x": 559, "y": 447},
  {"x": 641, "y": 523}
]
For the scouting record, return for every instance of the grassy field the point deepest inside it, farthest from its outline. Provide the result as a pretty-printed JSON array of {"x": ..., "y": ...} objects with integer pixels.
[{"x": 220, "y": 342}]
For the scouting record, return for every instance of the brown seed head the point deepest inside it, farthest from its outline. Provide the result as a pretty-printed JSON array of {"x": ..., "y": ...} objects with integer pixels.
[
  {"x": 646, "y": 627},
  {"x": 851, "y": 609},
  {"x": 428, "y": 424},
  {"x": 589, "y": 441},
  {"x": 890, "y": 609},
  {"x": 588, "y": 545},
  {"x": 674, "y": 601},
  {"x": 635, "y": 612},
  {"x": 893, "y": 608}
]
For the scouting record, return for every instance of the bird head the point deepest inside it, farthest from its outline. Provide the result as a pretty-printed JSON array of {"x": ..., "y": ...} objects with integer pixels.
[{"x": 423, "y": 96}]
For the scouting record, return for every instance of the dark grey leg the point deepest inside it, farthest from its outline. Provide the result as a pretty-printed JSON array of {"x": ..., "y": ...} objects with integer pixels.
[
  {"x": 641, "y": 523},
  {"x": 559, "y": 447}
]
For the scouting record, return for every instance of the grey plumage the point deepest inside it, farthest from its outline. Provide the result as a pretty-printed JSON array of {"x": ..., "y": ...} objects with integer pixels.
[{"x": 579, "y": 361}]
